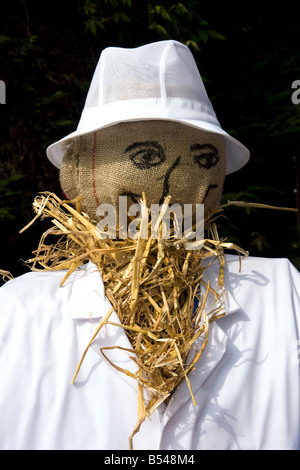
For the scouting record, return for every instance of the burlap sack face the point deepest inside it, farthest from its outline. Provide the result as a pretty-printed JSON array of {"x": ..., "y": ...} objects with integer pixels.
[{"x": 159, "y": 158}]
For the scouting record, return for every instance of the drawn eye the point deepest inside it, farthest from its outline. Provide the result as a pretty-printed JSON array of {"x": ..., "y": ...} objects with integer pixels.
[
  {"x": 205, "y": 155},
  {"x": 145, "y": 155}
]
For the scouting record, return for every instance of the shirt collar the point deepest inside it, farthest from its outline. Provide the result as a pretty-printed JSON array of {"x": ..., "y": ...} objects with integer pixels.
[
  {"x": 211, "y": 275},
  {"x": 89, "y": 300}
]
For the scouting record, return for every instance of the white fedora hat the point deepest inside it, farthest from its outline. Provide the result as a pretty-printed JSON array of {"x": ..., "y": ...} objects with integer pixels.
[{"x": 156, "y": 81}]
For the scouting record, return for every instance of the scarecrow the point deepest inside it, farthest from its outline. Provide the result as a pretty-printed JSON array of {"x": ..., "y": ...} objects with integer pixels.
[{"x": 131, "y": 331}]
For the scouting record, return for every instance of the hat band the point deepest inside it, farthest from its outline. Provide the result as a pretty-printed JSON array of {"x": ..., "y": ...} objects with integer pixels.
[{"x": 176, "y": 109}]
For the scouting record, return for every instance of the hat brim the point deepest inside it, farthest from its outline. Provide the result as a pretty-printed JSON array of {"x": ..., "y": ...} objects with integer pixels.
[{"x": 237, "y": 154}]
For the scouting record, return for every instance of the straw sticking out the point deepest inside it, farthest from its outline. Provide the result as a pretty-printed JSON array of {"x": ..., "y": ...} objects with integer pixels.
[{"x": 6, "y": 275}]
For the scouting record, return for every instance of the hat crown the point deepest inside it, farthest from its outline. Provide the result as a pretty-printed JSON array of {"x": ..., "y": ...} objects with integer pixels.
[{"x": 162, "y": 70}]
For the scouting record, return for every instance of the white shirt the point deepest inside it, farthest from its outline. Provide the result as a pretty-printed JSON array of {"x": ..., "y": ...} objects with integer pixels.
[{"x": 246, "y": 383}]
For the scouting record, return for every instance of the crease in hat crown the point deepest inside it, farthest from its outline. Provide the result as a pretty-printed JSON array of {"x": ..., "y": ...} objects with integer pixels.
[{"x": 157, "y": 81}]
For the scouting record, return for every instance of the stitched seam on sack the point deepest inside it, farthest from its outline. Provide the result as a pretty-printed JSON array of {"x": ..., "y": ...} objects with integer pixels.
[{"x": 93, "y": 167}]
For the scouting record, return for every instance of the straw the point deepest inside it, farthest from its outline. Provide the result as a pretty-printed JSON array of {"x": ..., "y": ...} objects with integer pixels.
[
  {"x": 256, "y": 205},
  {"x": 152, "y": 284},
  {"x": 6, "y": 275}
]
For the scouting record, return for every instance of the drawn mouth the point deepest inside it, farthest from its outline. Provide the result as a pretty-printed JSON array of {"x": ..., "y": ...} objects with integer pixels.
[
  {"x": 136, "y": 198},
  {"x": 211, "y": 186}
]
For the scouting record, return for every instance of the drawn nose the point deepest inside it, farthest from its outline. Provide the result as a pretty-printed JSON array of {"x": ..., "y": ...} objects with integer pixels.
[{"x": 166, "y": 177}]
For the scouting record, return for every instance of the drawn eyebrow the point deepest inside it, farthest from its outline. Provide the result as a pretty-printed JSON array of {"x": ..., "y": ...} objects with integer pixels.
[
  {"x": 147, "y": 143},
  {"x": 204, "y": 147}
]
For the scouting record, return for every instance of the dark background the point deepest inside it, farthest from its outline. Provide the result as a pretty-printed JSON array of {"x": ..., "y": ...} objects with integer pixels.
[{"x": 248, "y": 54}]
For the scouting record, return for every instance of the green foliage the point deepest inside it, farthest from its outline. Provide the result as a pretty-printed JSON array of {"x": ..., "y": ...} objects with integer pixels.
[
  {"x": 183, "y": 19},
  {"x": 8, "y": 207},
  {"x": 166, "y": 19}
]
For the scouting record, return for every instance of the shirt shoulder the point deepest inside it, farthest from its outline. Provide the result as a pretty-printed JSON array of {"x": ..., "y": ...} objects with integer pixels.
[
  {"x": 262, "y": 264},
  {"x": 267, "y": 292},
  {"x": 31, "y": 291},
  {"x": 275, "y": 276},
  {"x": 35, "y": 294}
]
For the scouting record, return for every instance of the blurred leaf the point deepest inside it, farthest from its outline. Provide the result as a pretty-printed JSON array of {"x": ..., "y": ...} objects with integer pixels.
[
  {"x": 193, "y": 45},
  {"x": 215, "y": 35},
  {"x": 89, "y": 7},
  {"x": 121, "y": 16},
  {"x": 5, "y": 183},
  {"x": 179, "y": 8},
  {"x": 4, "y": 39},
  {"x": 159, "y": 29},
  {"x": 91, "y": 26},
  {"x": 8, "y": 205},
  {"x": 259, "y": 241}
]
